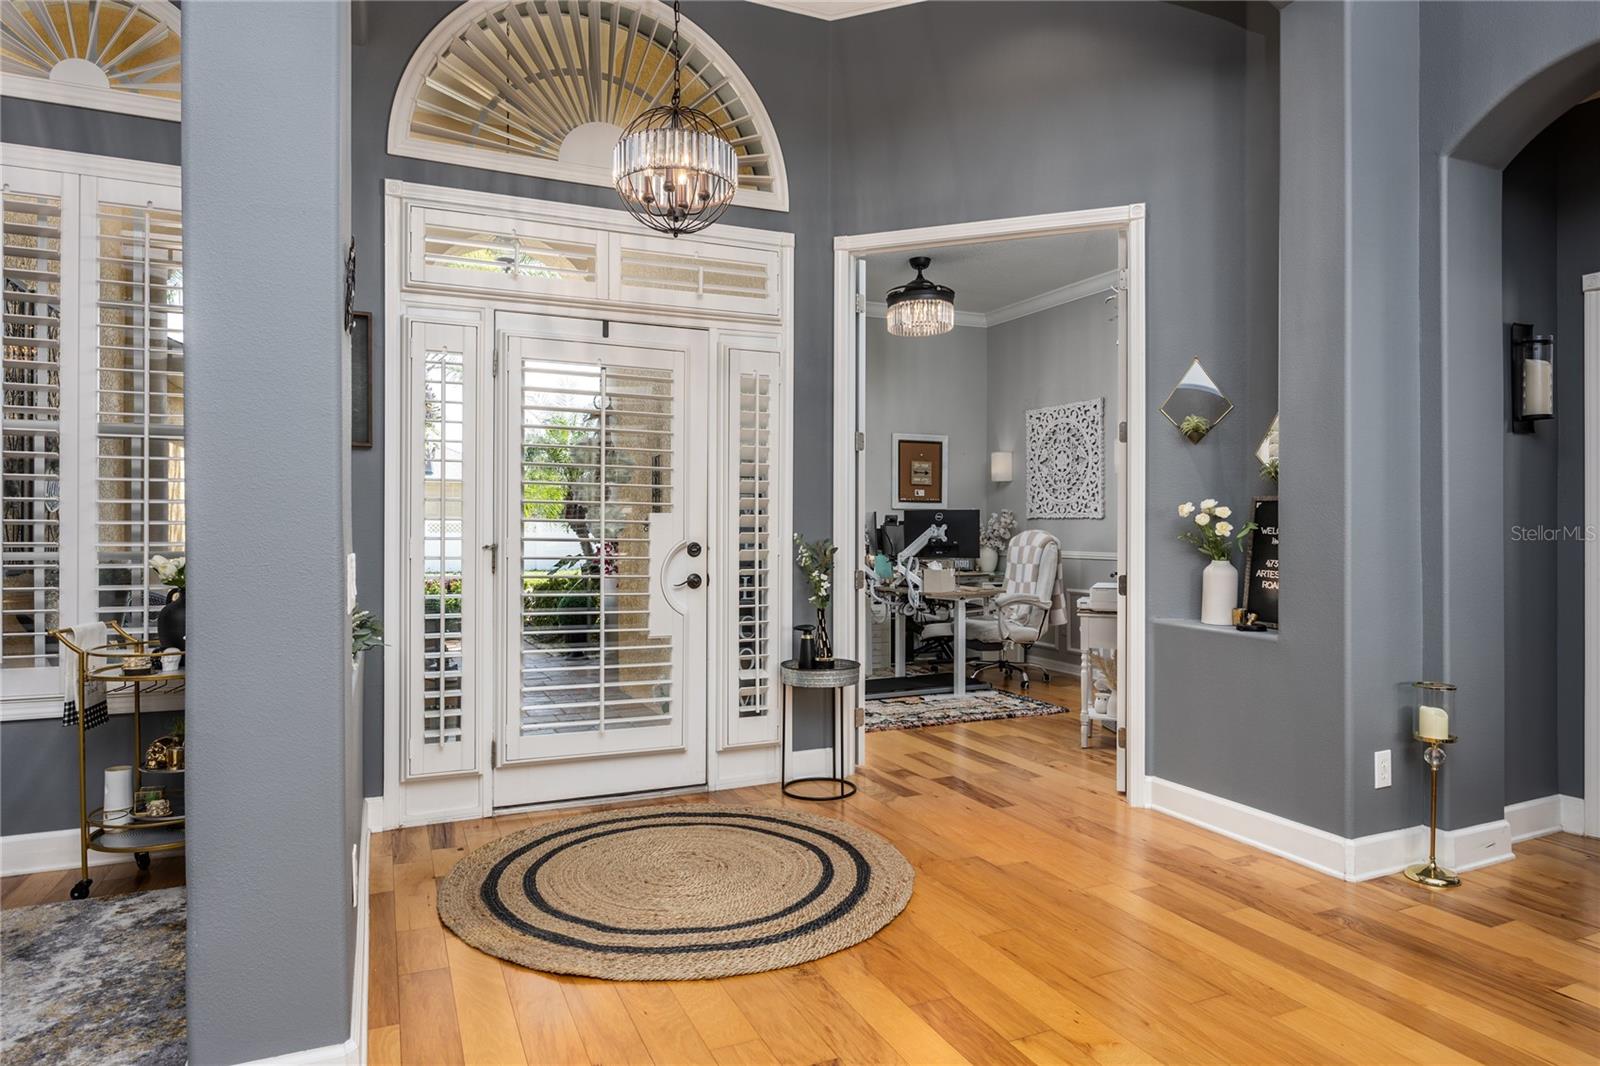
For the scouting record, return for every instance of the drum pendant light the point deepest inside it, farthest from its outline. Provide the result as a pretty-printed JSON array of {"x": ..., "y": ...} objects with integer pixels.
[
  {"x": 920, "y": 308},
  {"x": 673, "y": 168}
]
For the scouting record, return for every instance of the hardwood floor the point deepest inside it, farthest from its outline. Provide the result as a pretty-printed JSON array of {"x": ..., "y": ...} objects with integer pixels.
[{"x": 1049, "y": 924}]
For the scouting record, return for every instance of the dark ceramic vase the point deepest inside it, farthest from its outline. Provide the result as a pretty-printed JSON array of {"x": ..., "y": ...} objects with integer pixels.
[{"x": 172, "y": 623}]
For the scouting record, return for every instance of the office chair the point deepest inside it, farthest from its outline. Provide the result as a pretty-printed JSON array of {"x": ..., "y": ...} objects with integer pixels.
[{"x": 1030, "y": 604}]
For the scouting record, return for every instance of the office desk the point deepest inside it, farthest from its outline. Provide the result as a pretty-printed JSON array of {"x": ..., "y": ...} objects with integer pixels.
[{"x": 962, "y": 595}]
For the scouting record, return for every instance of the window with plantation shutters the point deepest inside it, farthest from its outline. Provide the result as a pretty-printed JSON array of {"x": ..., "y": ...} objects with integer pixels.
[
  {"x": 32, "y": 430},
  {"x": 138, "y": 442},
  {"x": 93, "y": 435}
]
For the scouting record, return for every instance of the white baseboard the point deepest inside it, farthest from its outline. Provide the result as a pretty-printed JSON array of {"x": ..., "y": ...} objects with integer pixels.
[
  {"x": 31, "y": 853},
  {"x": 1349, "y": 859},
  {"x": 1541, "y": 817},
  {"x": 1317, "y": 848},
  {"x": 345, "y": 1054}
]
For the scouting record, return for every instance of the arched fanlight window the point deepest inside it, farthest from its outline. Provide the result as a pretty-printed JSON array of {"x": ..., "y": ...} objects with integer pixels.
[
  {"x": 114, "y": 55},
  {"x": 545, "y": 87}
]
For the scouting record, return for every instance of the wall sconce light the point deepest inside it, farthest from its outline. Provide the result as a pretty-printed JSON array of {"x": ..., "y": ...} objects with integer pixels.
[
  {"x": 1000, "y": 466},
  {"x": 1533, "y": 377}
]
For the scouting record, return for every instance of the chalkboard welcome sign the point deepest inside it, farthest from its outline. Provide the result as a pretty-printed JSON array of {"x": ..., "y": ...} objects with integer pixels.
[{"x": 1261, "y": 563}]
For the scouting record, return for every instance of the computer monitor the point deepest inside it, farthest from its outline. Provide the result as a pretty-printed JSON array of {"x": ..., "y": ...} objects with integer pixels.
[{"x": 961, "y": 532}]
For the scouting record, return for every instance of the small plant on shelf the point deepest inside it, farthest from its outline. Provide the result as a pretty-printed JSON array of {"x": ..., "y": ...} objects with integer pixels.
[
  {"x": 1195, "y": 427},
  {"x": 1269, "y": 470},
  {"x": 815, "y": 560}
]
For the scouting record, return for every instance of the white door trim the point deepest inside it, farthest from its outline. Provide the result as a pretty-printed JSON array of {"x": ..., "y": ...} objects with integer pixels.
[
  {"x": 1591, "y": 555},
  {"x": 732, "y": 762},
  {"x": 848, "y": 251}
]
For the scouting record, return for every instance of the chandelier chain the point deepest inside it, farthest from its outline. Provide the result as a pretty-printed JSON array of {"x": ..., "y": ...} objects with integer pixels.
[{"x": 677, "y": 59}]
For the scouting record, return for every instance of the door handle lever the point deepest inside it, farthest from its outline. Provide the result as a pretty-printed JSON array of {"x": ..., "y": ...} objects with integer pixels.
[{"x": 694, "y": 581}]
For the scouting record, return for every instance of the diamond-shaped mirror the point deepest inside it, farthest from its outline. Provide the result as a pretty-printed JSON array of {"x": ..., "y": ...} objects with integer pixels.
[
  {"x": 1196, "y": 404},
  {"x": 1267, "y": 452}
]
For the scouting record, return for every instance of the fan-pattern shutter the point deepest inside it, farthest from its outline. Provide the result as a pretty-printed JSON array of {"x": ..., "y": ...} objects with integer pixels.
[
  {"x": 32, "y": 430},
  {"x": 139, "y": 447}
]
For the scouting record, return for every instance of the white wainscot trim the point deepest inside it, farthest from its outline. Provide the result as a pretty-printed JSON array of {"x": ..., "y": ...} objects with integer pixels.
[{"x": 1349, "y": 859}]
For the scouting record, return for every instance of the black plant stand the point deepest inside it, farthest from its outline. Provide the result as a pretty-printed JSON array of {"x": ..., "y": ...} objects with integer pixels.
[{"x": 841, "y": 675}]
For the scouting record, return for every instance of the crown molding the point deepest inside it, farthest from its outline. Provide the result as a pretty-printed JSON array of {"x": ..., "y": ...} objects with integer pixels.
[{"x": 1078, "y": 290}]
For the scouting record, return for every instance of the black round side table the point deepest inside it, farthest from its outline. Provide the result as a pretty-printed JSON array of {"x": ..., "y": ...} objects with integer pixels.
[{"x": 842, "y": 674}]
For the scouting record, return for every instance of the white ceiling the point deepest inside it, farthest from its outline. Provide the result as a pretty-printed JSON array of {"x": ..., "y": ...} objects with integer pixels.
[
  {"x": 833, "y": 9},
  {"x": 989, "y": 277}
]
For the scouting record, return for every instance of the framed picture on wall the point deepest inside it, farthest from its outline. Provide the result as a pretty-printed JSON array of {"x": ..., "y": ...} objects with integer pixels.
[
  {"x": 1261, "y": 563},
  {"x": 920, "y": 475},
  {"x": 361, "y": 379}
]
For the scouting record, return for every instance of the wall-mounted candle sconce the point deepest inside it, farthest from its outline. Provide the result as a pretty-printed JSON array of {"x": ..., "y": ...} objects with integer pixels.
[
  {"x": 1533, "y": 377},
  {"x": 1000, "y": 466}
]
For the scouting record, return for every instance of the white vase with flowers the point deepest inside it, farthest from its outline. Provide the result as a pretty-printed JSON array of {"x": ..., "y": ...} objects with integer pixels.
[{"x": 1215, "y": 537}]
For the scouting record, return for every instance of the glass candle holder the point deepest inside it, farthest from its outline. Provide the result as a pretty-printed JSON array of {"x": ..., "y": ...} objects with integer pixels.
[{"x": 1435, "y": 711}]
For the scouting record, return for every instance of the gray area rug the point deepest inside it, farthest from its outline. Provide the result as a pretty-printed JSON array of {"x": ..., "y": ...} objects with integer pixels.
[
  {"x": 95, "y": 981},
  {"x": 912, "y": 712}
]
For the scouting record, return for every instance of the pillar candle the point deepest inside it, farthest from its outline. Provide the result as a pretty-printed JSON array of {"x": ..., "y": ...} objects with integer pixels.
[
  {"x": 1433, "y": 723},
  {"x": 1538, "y": 395},
  {"x": 119, "y": 795}
]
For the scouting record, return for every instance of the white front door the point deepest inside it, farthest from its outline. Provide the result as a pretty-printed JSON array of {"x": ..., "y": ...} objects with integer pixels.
[{"x": 602, "y": 490}]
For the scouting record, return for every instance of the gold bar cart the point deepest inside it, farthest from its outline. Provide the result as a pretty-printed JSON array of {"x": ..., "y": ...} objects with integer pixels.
[{"x": 142, "y": 834}]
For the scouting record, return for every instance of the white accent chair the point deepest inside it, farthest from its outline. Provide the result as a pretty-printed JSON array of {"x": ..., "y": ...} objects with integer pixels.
[{"x": 1023, "y": 613}]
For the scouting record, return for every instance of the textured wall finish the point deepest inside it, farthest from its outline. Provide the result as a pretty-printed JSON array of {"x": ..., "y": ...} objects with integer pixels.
[{"x": 274, "y": 784}]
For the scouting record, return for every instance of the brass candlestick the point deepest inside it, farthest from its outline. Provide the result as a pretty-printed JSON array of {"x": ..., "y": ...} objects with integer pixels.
[{"x": 1430, "y": 873}]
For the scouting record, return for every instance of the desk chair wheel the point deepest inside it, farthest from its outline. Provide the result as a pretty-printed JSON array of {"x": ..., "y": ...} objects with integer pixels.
[
  {"x": 81, "y": 889},
  {"x": 141, "y": 859}
]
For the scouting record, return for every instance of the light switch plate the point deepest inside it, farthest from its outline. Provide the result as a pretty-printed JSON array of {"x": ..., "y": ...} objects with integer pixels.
[{"x": 1382, "y": 771}]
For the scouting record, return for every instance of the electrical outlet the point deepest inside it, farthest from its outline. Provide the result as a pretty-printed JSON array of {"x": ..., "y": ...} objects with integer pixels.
[{"x": 1382, "y": 774}]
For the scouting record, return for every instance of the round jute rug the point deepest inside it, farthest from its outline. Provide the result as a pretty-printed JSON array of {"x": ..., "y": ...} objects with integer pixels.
[{"x": 675, "y": 893}]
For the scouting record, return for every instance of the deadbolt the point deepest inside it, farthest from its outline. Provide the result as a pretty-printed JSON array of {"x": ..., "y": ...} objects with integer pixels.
[{"x": 694, "y": 549}]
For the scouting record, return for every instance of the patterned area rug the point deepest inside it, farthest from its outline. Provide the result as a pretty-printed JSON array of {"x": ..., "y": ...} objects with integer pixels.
[
  {"x": 675, "y": 893},
  {"x": 95, "y": 981},
  {"x": 913, "y": 712}
]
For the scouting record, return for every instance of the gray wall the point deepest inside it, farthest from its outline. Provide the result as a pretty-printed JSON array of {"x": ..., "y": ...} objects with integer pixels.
[
  {"x": 1492, "y": 76},
  {"x": 38, "y": 759},
  {"x": 931, "y": 385},
  {"x": 275, "y": 758},
  {"x": 1114, "y": 104},
  {"x": 1059, "y": 355},
  {"x": 1550, "y": 226}
]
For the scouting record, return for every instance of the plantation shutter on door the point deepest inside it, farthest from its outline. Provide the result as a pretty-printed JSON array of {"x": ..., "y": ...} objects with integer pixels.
[
  {"x": 753, "y": 416},
  {"x": 139, "y": 366},
  {"x": 446, "y": 586},
  {"x": 32, "y": 430}
]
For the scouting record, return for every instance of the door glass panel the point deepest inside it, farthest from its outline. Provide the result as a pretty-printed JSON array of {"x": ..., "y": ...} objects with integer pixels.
[
  {"x": 443, "y": 546},
  {"x": 598, "y": 455}
]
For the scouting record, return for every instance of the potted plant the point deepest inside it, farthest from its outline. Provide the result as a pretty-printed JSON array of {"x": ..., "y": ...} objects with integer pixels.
[
  {"x": 365, "y": 631},
  {"x": 815, "y": 561},
  {"x": 997, "y": 533},
  {"x": 172, "y": 624},
  {"x": 1215, "y": 537}
]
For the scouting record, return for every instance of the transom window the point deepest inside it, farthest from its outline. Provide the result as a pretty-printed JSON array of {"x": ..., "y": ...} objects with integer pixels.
[
  {"x": 545, "y": 87},
  {"x": 115, "y": 55}
]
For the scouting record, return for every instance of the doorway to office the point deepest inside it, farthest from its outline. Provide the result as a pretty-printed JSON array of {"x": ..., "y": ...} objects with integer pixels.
[{"x": 989, "y": 476}]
